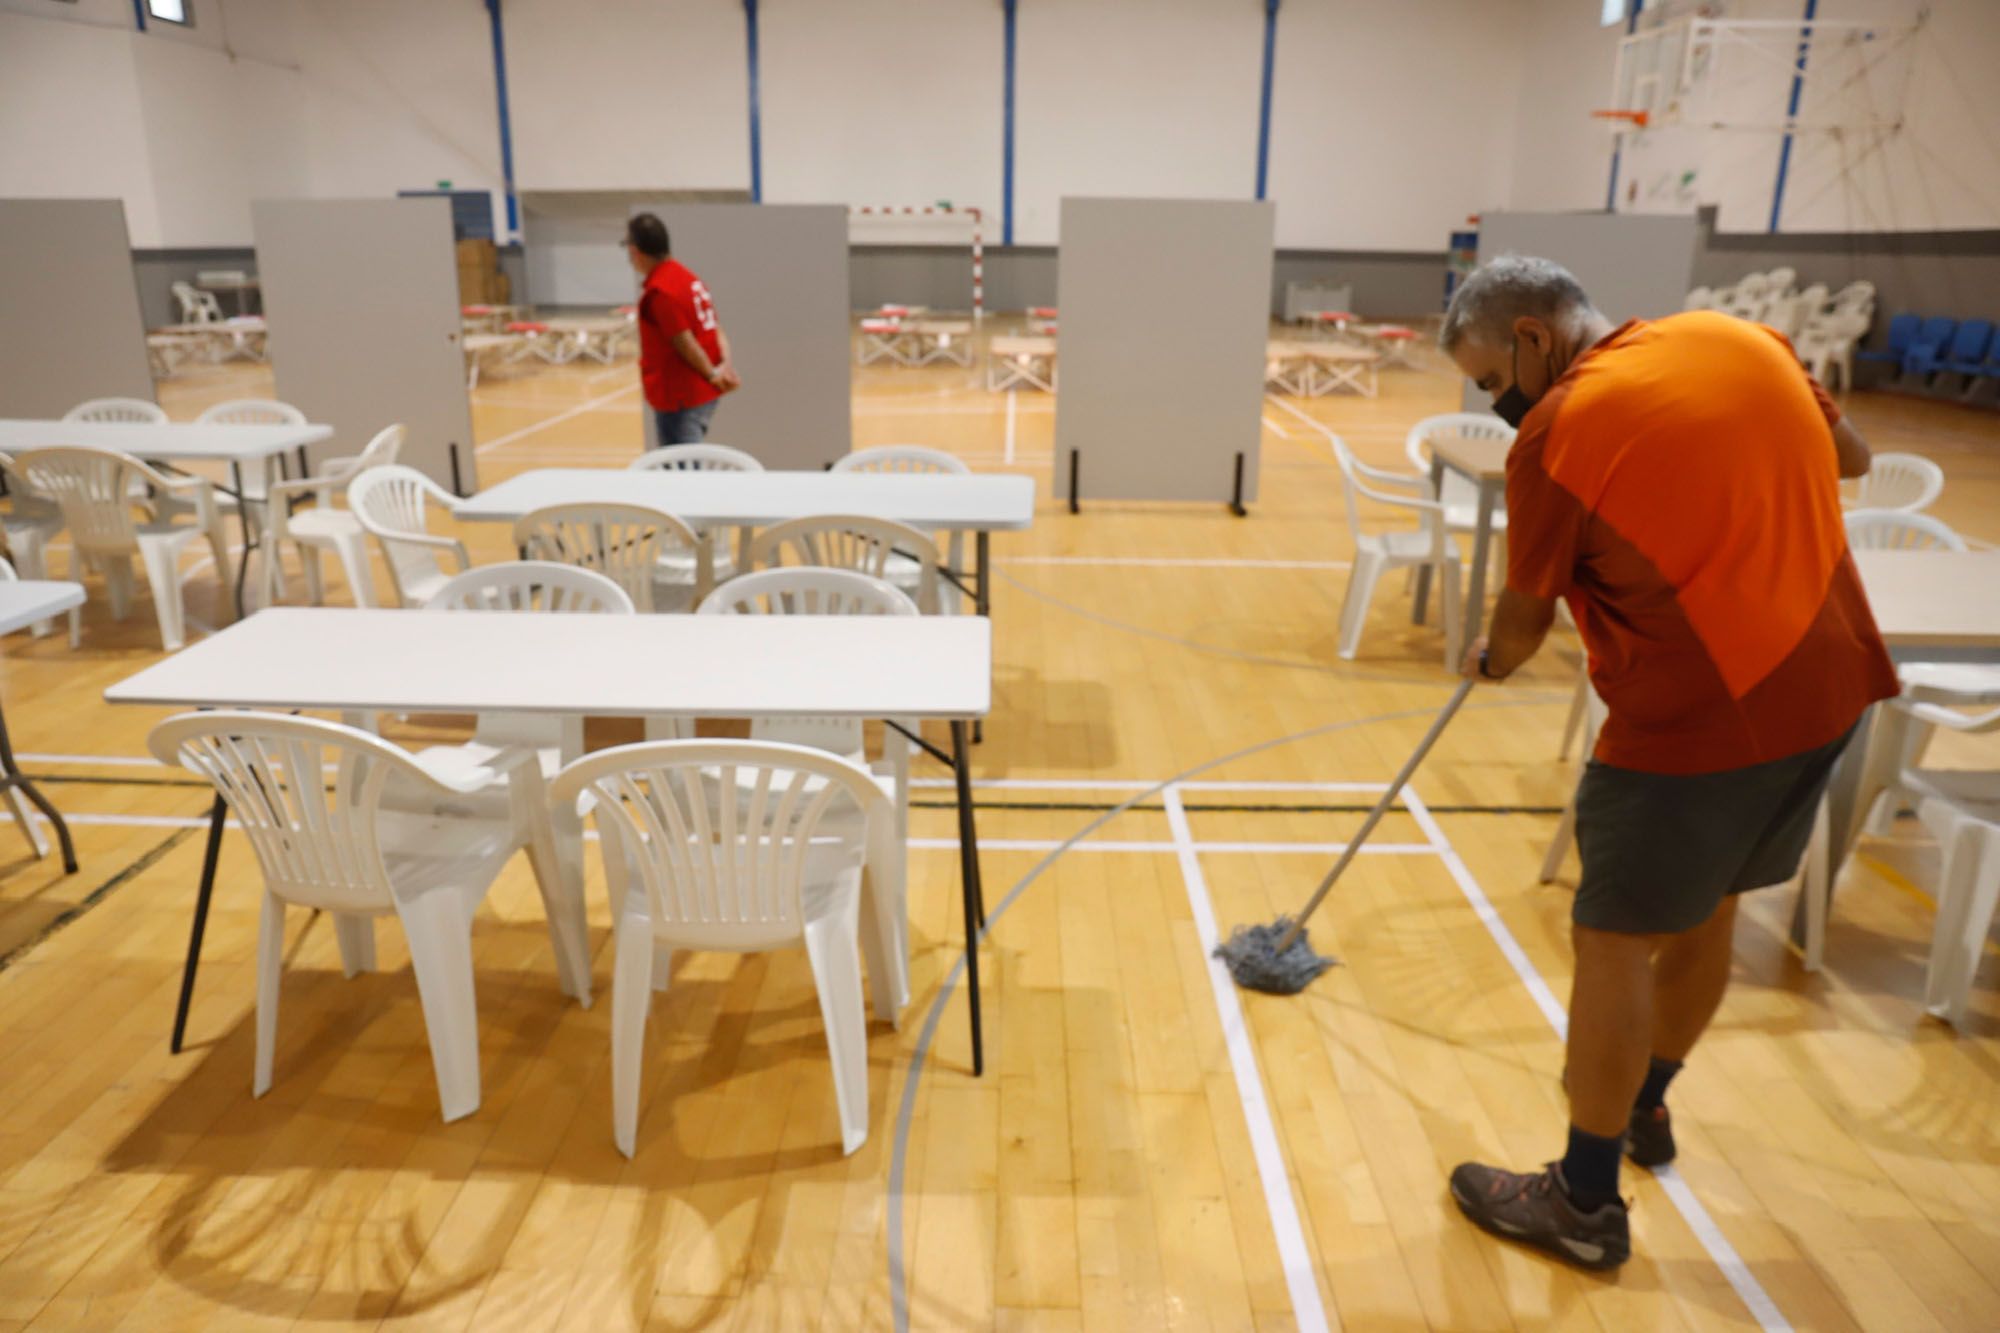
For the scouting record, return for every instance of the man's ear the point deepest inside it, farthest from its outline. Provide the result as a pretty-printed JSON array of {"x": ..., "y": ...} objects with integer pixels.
[{"x": 1534, "y": 333}]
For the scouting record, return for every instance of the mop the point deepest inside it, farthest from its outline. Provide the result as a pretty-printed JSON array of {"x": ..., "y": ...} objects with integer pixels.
[{"x": 1277, "y": 958}]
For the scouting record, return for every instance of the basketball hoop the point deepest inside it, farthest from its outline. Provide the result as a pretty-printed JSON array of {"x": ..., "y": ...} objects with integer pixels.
[{"x": 1620, "y": 118}]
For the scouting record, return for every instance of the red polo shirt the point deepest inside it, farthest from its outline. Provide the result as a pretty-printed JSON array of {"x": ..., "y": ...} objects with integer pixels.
[{"x": 672, "y": 302}]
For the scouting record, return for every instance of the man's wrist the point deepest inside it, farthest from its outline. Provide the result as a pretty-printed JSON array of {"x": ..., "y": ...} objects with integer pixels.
[{"x": 1486, "y": 670}]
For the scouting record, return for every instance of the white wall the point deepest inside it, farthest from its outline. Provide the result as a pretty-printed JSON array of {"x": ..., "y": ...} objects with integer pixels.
[
  {"x": 1392, "y": 119},
  {"x": 1362, "y": 158},
  {"x": 1114, "y": 100},
  {"x": 629, "y": 94}
]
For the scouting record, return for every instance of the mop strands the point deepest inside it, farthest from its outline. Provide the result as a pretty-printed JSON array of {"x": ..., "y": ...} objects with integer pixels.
[{"x": 1276, "y": 958}]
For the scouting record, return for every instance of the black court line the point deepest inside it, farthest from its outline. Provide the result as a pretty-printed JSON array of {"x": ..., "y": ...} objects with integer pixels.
[{"x": 146, "y": 860}]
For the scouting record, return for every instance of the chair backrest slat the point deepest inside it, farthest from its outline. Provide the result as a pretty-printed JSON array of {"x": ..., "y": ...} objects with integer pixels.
[
  {"x": 1905, "y": 482},
  {"x": 695, "y": 458},
  {"x": 911, "y": 458},
  {"x": 253, "y": 412},
  {"x": 94, "y": 488},
  {"x": 622, "y": 542},
  {"x": 118, "y": 410},
  {"x": 1895, "y": 530}
]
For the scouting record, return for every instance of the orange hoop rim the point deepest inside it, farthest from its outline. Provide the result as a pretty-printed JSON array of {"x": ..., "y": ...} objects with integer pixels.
[{"x": 1637, "y": 119}]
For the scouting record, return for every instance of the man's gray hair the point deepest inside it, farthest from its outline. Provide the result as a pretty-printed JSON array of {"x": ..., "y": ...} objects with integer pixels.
[{"x": 1502, "y": 290}]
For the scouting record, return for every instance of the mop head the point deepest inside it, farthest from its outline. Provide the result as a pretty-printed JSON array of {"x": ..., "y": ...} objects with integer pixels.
[{"x": 1252, "y": 957}]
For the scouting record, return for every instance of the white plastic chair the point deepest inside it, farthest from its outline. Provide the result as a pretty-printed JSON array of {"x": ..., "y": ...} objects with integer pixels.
[
  {"x": 25, "y": 819},
  {"x": 918, "y": 460},
  {"x": 1896, "y": 530},
  {"x": 325, "y": 527},
  {"x": 677, "y": 568},
  {"x": 1699, "y": 298},
  {"x": 257, "y": 481},
  {"x": 851, "y": 541},
  {"x": 1826, "y": 345},
  {"x": 1961, "y": 809},
  {"x": 310, "y": 798},
  {"x": 719, "y": 845},
  {"x": 1905, "y": 483},
  {"x": 118, "y": 409},
  {"x": 826, "y": 592},
  {"x": 623, "y": 542},
  {"x": 388, "y": 502},
  {"x": 95, "y": 489},
  {"x": 1460, "y": 495},
  {"x": 1377, "y": 553},
  {"x": 197, "y": 306},
  {"x": 1899, "y": 737},
  {"x": 28, "y": 522}
]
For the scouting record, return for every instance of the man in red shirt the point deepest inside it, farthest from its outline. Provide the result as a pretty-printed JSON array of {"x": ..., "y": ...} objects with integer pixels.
[{"x": 683, "y": 352}]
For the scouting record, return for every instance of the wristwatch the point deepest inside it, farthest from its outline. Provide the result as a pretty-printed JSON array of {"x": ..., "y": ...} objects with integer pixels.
[{"x": 1483, "y": 671}]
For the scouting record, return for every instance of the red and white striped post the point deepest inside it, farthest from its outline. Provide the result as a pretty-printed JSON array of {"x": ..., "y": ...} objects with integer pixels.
[{"x": 978, "y": 243}]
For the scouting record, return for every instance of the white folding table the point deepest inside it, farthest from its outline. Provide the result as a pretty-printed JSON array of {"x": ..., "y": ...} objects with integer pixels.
[
  {"x": 359, "y": 661},
  {"x": 22, "y": 603},
  {"x": 980, "y": 503},
  {"x": 233, "y": 443}
]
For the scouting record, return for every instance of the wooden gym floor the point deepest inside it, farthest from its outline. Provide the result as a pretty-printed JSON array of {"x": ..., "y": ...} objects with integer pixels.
[{"x": 1841, "y": 1154}]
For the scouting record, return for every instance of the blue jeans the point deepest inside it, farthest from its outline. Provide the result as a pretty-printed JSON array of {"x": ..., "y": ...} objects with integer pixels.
[{"x": 687, "y": 426}]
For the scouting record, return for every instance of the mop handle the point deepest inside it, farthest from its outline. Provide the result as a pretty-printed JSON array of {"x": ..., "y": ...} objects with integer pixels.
[{"x": 1381, "y": 808}]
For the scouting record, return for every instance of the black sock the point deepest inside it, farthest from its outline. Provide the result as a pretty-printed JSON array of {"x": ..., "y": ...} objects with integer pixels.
[
  {"x": 1590, "y": 1169},
  {"x": 1653, "y": 1093}
]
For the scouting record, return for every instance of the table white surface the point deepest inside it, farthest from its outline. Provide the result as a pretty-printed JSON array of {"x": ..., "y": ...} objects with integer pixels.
[
  {"x": 984, "y": 502},
  {"x": 27, "y": 601},
  {"x": 602, "y": 666},
  {"x": 1934, "y": 599},
  {"x": 229, "y": 442}
]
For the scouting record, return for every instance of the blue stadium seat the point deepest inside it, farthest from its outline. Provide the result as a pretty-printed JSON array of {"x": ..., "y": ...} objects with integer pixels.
[
  {"x": 1926, "y": 354},
  {"x": 1903, "y": 331},
  {"x": 1969, "y": 348}
]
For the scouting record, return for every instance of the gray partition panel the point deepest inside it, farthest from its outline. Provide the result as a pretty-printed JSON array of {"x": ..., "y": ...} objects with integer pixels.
[
  {"x": 1165, "y": 314},
  {"x": 362, "y": 298},
  {"x": 778, "y": 276},
  {"x": 1633, "y": 266},
  {"x": 71, "y": 328}
]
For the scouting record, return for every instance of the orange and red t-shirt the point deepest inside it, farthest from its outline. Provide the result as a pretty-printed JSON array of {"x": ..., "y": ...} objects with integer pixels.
[{"x": 1678, "y": 485}]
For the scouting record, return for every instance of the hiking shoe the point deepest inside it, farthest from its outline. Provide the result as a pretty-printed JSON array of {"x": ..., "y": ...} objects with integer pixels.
[
  {"x": 1649, "y": 1139},
  {"x": 1535, "y": 1210}
]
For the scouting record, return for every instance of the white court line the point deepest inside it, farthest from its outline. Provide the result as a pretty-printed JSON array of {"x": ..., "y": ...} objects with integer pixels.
[
  {"x": 108, "y": 760},
  {"x": 1156, "y": 848},
  {"x": 577, "y": 411},
  {"x": 943, "y": 410},
  {"x": 1142, "y": 784},
  {"x": 1762, "y": 1307},
  {"x": 1013, "y": 410},
  {"x": 1290, "y": 1235},
  {"x": 1169, "y": 562},
  {"x": 1276, "y": 429}
]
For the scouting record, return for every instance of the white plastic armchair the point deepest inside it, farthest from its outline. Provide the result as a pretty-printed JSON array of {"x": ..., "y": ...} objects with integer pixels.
[
  {"x": 1460, "y": 495},
  {"x": 136, "y": 410},
  {"x": 249, "y": 412},
  {"x": 921, "y": 460},
  {"x": 852, "y": 541},
  {"x": 325, "y": 527},
  {"x": 724, "y": 845},
  {"x": 677, "y": 568},
  {"x": 1376, "y": 553},
  {"x": 623, "y": 542},
  {"x": 197, "y": 306},
  {"x": 310, "y": 798},
  {"x": 1905, "y": 483},
  {"x": 28, "y": 522},
  {"x": 1895, "y": 530},
  {"x": 388, "y": 503},
  {"x": 95, "y": 490}
]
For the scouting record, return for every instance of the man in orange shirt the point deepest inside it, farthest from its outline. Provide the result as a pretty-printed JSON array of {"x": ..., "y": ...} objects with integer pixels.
[{"x": 1677, "y": 482}]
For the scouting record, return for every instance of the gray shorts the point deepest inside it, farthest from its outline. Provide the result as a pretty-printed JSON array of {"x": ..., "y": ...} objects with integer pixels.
[{"x": 1660, "y": 851}]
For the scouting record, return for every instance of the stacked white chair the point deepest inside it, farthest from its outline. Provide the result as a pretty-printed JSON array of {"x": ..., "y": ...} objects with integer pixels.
[
  {"x": 28, "y": 522},
  {"x": 310, "y": 798},
  {"x": 197, "y": 306},
  {"x": 677, "y": 568},
  {"x": 851, "y": 541},
  {"x": 721, "y": 845},
  {"x": 326, "y": 527},
  {"x": 96, "y": 490},
  {"x": 626, "y": 543},
  {"x": 1376, "y": 553},
  {"x": 388, "y": 502},
  {"x": 1903, "y": 483},
  {"x": 915, "y": 459}
]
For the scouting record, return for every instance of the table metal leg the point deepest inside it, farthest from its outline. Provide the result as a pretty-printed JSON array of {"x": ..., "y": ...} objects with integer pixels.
[
  {"x": 982, "y": 598},
  {"x": 1482, "y": 536},
  {"x": 1420, "y": 599},
  {"x": 249, "y": 541},
  {"x": 12, "y": 776},
  {"x": 216, "y": 814},
  {"x": 970, "y": 888}
]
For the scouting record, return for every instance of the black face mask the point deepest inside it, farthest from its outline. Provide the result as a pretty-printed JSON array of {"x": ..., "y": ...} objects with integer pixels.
[{"x": 1513, "y": 405}]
